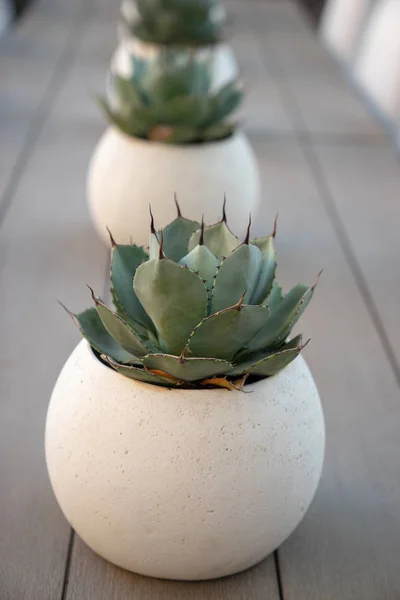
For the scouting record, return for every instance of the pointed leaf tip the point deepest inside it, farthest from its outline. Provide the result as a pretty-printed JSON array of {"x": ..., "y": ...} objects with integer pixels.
[
  {"x": 239, "y": 383},
  {"x": 273, "y": 234},
  {"x": 223, "y": 382},
  {"x": 161, "y": 249},
  {"x": 152, "y": 227},
  {"x": 201, "y": 240},
  {"x": 247, "y": 238},
  {"x": 113, "y": 242},
  {"x": 239, "y": 304},
  {"x": 71, "y": 314},
  {"x": 314, "y": 285},
  {"x": 224, "y": 210},
  {"x": 305, "y": 344},
  {"x": 178, "y": 208},
  {"x": 94, "y": 297}
]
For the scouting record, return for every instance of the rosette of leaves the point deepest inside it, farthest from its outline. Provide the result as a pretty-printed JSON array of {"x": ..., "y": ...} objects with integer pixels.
[
  {"x": 176, "y": 22},
  {"x": 201, "y": 308},
  {"x": 169, "y": 99}
]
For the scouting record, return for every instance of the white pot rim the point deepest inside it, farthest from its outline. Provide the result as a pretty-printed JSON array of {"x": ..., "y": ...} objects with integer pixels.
[
  {"x": 144, "y": 142},
  {"x": 175, "y": 45},
  {"x": 188, "y": 391}
]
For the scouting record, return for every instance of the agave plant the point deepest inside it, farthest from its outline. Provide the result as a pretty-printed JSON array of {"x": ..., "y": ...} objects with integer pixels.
[
  {"x": 201, "y": 308},
  {"x": 177, "y": 22},
  {"x": 168, "y": 99}
]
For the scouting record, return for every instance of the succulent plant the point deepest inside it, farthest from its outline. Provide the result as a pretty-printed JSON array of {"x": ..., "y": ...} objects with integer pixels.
[
  {"x": 177, "y": 22},
  {"x": 201, "y": 308},
  {"x": 168, "y": 99}
]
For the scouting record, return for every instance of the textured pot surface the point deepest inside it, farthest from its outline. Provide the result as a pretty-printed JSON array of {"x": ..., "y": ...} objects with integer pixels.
[
  {"x": 183, "y": 484},
  {"x": 224, "y": 64},
  {"x": 127, "y": 174}
]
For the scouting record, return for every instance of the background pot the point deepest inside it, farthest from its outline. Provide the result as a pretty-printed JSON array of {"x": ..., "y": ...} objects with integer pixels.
[
  {"x": 126, "y": 174},
  {"x": 183, "y": 484},
  {"x": 221, "y": 58}
]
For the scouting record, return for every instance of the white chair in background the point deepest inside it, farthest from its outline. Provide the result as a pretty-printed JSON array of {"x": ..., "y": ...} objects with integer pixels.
[
  {"x": 341, "y": 26},
  {"x": 6, "y": 15},
  {"x": 377, "y": 65}
]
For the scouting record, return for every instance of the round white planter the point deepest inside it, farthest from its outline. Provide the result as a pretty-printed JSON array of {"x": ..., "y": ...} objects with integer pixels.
[
  {"x": 183, "y": 484},
  {"x": 221, "y": 57},
  {"x": 127, "y": 174}
]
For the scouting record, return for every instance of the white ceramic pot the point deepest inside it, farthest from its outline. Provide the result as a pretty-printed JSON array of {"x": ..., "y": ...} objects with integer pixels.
[
  {"x": 222, "y": 60},
  {"x": 127, "y": 174},
  {"x": 183, "y": 484}
]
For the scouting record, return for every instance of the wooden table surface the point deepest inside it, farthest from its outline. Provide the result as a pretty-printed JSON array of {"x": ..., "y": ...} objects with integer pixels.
[{"x": 330, "y": 172}]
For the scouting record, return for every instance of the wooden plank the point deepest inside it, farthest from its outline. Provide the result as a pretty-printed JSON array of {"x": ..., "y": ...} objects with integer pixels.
[
  {"x": 47, "y": 251},
  {"x": 34, "y": 536},
  {"x": 262, "y": 112},
  {"x": 92, "y": 578},
  {"x": 325, "y": 104},
  {"x": 363, "y": 196},
  {"x": 349, "y": 543},
  {"x": 33, "y": 57}
]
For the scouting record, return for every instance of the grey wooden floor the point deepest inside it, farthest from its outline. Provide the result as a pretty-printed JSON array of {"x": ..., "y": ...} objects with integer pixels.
[{"x": 332, "y": 175}]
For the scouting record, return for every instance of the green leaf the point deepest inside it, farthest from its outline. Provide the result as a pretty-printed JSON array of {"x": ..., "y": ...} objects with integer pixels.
[
  {"x": 178, "y": 22},
  {"x": 126, "y": 91},
  {"x": 274, "y": 297},
  {"x": 223, "y": 334},
  {"x": 218, "y": 131},
  {"x": 267, "y": 269},
  {"x": 175, "y": 299},
  {"x": 93, "y": 330},
  {"x": 163, "y": 86},
  {"x": 176, "y": 237},
  {"x": 218, "y": 238},
  {"x": 141, "y": 374},
  {"x": 187, "y": 369},
  {"x": 154, "y": 246},
  {"x": 141, "y": 120},
  {"x": 283, "y": 318},
  {"x": 140, "y": 66},
  {"x": 201, "y": 78},
  {"x": 226, "y": 100},
  {"x": 187, "y": 111},
  {"x": 181, "y": 134},
  {"x": 238, "y": 273},
  {"x": 179, "y": 73},
  {"x": 120, "y": 331},
  {"x": 272, "y": 363},
  {"x": 114, "y": 118},
  {"x": 202, "y": 261},
  {"x": 125, "y": 260}
]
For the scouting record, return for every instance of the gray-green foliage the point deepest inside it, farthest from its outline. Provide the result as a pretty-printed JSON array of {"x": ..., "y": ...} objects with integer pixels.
[
  {"x": 203, "y": 308},
  {"x": 178, "y": 22},
  {"x": 169, "y": 99}
]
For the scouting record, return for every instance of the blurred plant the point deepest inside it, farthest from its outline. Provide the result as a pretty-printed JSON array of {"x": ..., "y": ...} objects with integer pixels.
[
  {"x": 169, "y": 99},
  {"x": 177, "y": 22}
]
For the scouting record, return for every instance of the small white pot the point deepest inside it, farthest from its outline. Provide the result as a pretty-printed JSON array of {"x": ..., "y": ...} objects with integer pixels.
[
  {"x": 127, "y": 174},
  {"x": 221, "y": 58},
  {"x": 183, "y": 484}
]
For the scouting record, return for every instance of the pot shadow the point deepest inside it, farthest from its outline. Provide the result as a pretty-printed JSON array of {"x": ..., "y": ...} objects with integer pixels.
[{"x": 111, "y": 580}]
